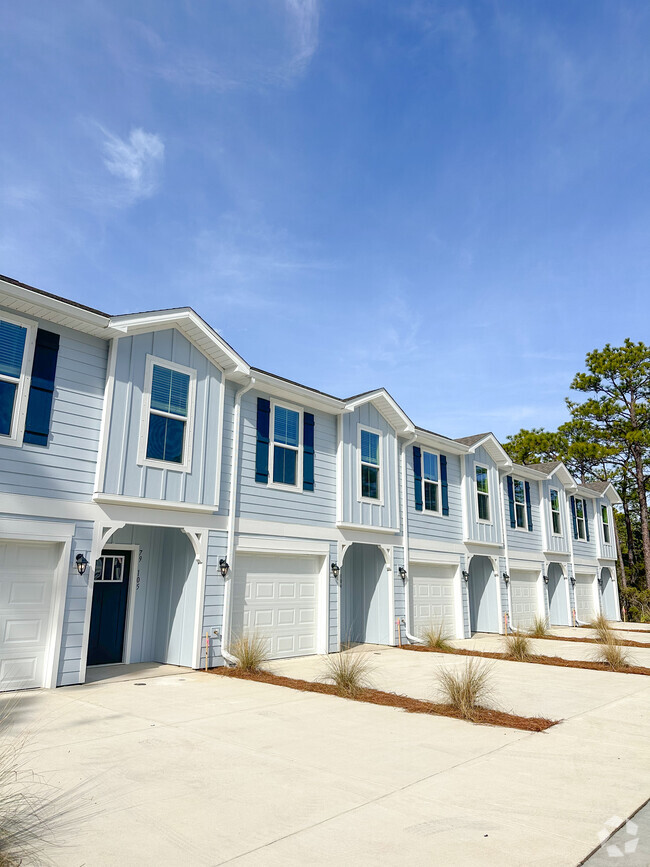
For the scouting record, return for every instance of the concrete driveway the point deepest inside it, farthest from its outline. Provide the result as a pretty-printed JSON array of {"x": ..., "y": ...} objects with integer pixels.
[{"x": 192, "y": 768}]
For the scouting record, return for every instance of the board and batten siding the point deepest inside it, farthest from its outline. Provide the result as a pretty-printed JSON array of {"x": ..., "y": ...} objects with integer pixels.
[
  {"x": 74, "y": 612},
  {"x": 65, "y": 468},
  {"x": 124, "y": 475},
  {"x": 387, "y": 513},
  {"x": 481, "y": 531},
  {"x": 582, "y": 548},
  {"x": 264, "y": 502},
  {"x": 520, "y": 539},
  {"x": 558, "y": 544},
  {"x": 432, "y": 525},
  {"x": 608, "y": 551}
]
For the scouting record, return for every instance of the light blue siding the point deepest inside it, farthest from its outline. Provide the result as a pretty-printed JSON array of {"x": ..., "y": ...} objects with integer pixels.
[
  {"x": 481, "y": 531},
  {"x": 65, "y": 468},
  {"x": 386, "y": 515},
  {"x": 520, "y": 539},
  {"x": 581, "y": 547},
  {"x": 267, "y": 503},
  {"x": 333, "y": 607},
  {"x": 399, "y": 595},
  {"x": 124, "y": 476},
  {"x": 213, "y": 599},
  {"x": 430, "y": 525},
  {"x": 464, "y": 587},
  {"x": 503, "y": 591},
  {"x": 74, "y": 612},
  {"x": 561, "y": 543},
  {"x": 609, "y": 551}
]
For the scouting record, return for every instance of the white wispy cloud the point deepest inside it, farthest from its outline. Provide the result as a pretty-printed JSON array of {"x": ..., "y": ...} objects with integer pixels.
[
  {"x": 303, "y": 18},
  {"x": 136, "y": 162}
]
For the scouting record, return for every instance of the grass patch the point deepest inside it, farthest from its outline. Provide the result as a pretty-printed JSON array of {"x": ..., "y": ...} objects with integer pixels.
[
  {"x": 539, "y": 628},
  {"x": 436, "y": 637},
  {"x": 612, "y": 654},
  {"x": 518, "y": 645},
  {"x": 483, "y": 716},
  {"x": 603, "y": 630},
  {"x": 348, "y": 671},
  {"x": 250, "y": 651},
  {"x": 467, "y": 689}
]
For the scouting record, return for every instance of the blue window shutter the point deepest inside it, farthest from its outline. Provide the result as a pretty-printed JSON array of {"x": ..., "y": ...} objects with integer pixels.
[
  {"x": 41, "y": 390},
  {"x": 511, "y": 501},
  {"x": 262, "y": 446},
  {"x": 308, "y": 452},
  {"x": 417, "y": 477},
  {"x": 444, "y": 487},
  {"x": 573, "y": 516},
  {"x": 529, "y": 507},
  {"x": 586, "y": 519}
]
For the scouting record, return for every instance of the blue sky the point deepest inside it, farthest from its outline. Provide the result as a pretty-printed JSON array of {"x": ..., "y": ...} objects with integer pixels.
[{"x": 447, "y": 199}]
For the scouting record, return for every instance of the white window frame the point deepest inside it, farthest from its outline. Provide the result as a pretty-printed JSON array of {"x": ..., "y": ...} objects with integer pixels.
[
  {"x": 188, "y": 437},
  {"x": 604, "y": 518},
  {"x": 281, "y": 485},
  {"x": 583, "y": 537},
  {"x": 23, "y": 382},
  {"x": 426, "y": 482},
  {"x": 478, "y": 493},
  {"x": 525, "y": 506},
  {"x": 380, "y": 465},
  {"x": 555, "y": 511}
]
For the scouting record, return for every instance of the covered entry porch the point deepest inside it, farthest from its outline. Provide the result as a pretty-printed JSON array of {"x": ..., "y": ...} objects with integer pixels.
[
  {"x": 366, "y": 595},
  {"x": 144, "y": 598}
]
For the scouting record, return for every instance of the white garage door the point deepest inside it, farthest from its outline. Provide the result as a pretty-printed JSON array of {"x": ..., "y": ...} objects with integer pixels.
[
  {"x": 585, "y": 610},
  {"x": 525, "y": 598},
  {"x": 27, "y": 573},
  {"x": 276, "y": 597},
  {"x": 433, "y": 597}
]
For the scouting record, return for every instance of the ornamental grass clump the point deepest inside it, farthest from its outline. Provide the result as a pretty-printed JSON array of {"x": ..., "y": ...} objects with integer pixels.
[
  {"x": 612, "y": 654},
  {"x": 250, "y": 651},
  {"x": 436, "y": 637},
  {"x": 466, "y": 689},
  {"x": 603, "y": 630},
  {"x": 539, "y": 628},
  {"x": 518, "y": 646},
  {"x": 349, "y": 671}
]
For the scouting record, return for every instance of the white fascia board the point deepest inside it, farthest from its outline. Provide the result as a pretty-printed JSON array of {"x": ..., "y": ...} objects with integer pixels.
[
  {"x": 387, "y": 406},
  {"x": 525, "y": 473},
  {"x": 565, "y": 478},
  {"x": 496, "y": 451},
  {"x": 192, "y": 326},
  {"x": 439, "y": 442},
  {"x": 32, "y": 303},
  {"x": 587, "y": 493},
  {"x": 297, "y": 393}
]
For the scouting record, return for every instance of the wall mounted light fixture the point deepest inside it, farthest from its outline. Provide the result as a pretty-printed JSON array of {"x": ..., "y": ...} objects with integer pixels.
[
  {"x": 224, "y": 567},
  {"x": 506, "y": 578},
  {"x": 466, "y": 575},
  {"x": 336, "y": 570},
  {"x": 81, "y": 563},
  {"x": 402, "y": 573},
  {"x": 545, "y": 577}
]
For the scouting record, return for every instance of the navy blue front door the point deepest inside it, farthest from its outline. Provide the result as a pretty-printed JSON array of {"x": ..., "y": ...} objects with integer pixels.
[{"x": 108, "y": 616}]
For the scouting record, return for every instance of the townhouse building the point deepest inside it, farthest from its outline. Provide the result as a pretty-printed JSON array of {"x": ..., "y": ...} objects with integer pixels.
[{"x": 159, "y": 497}]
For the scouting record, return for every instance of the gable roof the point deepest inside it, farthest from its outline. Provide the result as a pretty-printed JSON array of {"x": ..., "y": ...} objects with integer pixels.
[
  {"x": 387, "y": 406},
  {"x": 472, "y": 440},
  {"x": 491, "y": 444},
  {"x": 604, "y": 489}
]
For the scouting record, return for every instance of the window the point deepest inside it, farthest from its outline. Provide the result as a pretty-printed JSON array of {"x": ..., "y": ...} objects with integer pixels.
[
  {"x": 286, "y": 445},
  {"x": 482, "y": 494},
  {"x": 519, "y": 493},
  {"x": 13, "y": 342},
  {"x": 581, "y": 508},
  {"x": 431, "y": 482},
  {"x": 167, "y": 422},
  {"x": 555, "y": 512},
  {"x": 606, "y": 533},
  {"x": 110, "y": 568},
  {"x": 369, "y": 454}
]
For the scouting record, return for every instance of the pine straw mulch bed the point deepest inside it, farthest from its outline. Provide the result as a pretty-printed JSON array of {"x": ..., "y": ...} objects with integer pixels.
[
  {"x": 482, "y": 715},
  {"x": 624, "y": 642},
  {"x": 538, "y": 660},
  {"x": 621, "y": 629}
]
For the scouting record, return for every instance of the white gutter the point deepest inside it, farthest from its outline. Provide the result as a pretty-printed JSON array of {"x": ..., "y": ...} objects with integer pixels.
[
  {"x": 405, "y": 532},
  {"x": 232, "y": 505},
  {"x": 506, "y": 552}
]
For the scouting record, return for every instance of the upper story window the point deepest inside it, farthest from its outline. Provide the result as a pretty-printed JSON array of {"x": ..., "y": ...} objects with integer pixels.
[
  {"x": 606, "y": 533},
  {"x": 431, "y": 482},
  {"x": 168, "y": 415},
  {"x": 519, "y": 493},
  {"x": 581, "y": 510},
  {"x": 482, "y": 493},
  {"x": 286, "y": 445},
  {"x": 16, "y": 341},
  {"x": 555, "y": 512},
  {"x": 370, "y": 469}
]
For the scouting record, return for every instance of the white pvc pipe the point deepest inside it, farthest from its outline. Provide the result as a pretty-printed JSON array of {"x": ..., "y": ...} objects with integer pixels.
[{"x": 232, "y": 506}]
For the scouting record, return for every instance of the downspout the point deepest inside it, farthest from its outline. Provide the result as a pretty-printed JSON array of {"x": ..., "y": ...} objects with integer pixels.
[
  {"x": 506, "y": 552},
  {"x": 405, "y": 530},
  {"x": 569, "y": 525},
  {"x": 232, "y": 505}
]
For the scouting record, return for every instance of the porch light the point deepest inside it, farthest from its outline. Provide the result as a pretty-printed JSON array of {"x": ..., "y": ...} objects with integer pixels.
[
  {"x": 402, "y": 573},
  {"x": 82, "y": 563},
  {"x": 466, "y": 575},
  {"x": 224, "y": 567},
  {"x": 573, "y": 581},
  {"x": 506, "y": 578},
  {"x": 336, "y": 570},
  {"x": 600, "y": 580},
  {"x": 545, "y": 577}
]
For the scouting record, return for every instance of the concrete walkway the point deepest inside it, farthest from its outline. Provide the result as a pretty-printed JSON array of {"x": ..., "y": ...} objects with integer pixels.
[
  {"x": 198, "y": 769},
  {"x": 629, "y": 846}
]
